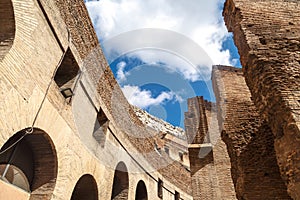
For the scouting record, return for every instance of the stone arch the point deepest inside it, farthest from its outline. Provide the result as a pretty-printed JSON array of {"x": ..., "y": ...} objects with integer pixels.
[
  {"x": 85, "y": 188},
  {"x": 141, "y": 191},
  {"x": 29, "y": 162},
  {"x": 7, "y": 27},
  {"x": 121, "y": 183}
]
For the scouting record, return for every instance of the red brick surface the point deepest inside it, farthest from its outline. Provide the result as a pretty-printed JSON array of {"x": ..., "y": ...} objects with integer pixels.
[
  {"x": 248, "y": 137},
  {"x": 267, "y": 34}
]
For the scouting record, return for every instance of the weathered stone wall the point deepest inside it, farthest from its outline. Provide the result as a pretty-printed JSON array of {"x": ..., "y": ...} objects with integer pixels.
[
  {"x": 248, "y": 137},
  {"x": 267, "y": 34},
  {"x": 209, "y": 160},
  {"x": 29, "y": 97}
]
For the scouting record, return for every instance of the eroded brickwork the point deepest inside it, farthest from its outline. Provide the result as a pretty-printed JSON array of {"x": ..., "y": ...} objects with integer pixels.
[
  {"x": 195, "y": 122},
  {"x": 267, "y": 34},
  {"x": 248, "y": 137},
  {"x": 209, "y": 161}
]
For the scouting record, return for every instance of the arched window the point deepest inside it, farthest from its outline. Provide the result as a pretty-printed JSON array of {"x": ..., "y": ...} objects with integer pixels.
[
  {"x": 141, "y": 191},
  {"x": 29, "y": 162},
  {"x": 85, "y": 188},
  {"x": 7, "y": 27},
  {"x": 121, "y": 183}
]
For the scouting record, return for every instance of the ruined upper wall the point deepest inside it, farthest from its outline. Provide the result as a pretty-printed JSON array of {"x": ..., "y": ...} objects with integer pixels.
[
  {"x": 209, "y": 160},
  {"x": 195, "y": 121},
  {"x": 249, "y": 140},
  {"x": 267, "y": 34}
]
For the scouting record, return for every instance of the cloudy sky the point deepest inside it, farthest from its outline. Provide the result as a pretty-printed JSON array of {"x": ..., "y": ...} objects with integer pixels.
[{"x": 162, "y": 51}]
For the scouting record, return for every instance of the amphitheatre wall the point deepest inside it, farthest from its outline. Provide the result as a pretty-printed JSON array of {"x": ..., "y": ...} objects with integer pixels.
[
  {"x": 56, "y": 87},
  {"x": 248, "y": 137},
  {"x": 267, "y": 34}
]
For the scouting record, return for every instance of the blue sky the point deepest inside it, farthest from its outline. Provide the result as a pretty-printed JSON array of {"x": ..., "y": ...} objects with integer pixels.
[{"x": 161, "y": 51}]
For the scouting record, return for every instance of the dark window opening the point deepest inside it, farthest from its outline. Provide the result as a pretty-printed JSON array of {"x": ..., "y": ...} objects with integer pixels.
[
  {"x": 181, "y": 156},
  {"x": 85, "y": 188},
  {"x": 66, "y": 75},
  {"x": 141, "y": 191},
  {"x": 100, "y": 128},
  {"x": 121, "y": 183},
  {"x": 167, "y": 150},
  {"x": 177, "y": 195},
  {"x": 160, "y": 188}
]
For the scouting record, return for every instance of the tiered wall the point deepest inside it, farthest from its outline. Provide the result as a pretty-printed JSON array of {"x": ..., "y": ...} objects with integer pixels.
[{"x": 29, "y": 97}]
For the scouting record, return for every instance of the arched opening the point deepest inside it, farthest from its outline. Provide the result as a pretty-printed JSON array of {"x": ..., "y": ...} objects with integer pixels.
[
  {"x": 121, "y": 183},
  {"x": 7, "y": 27},
  {"x": 85, "y": 188},
  {"x": 29, "y": 162},
  {"x": 67, "y": 74},
  {"x": 141, "y": 191}
]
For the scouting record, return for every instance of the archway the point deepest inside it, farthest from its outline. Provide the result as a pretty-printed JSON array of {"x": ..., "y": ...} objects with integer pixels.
[
  {"x": 121, "y": 183},
  {"x": 141, "y": 191},
  {"x": 7, "y": 27},
  {"x": 85, "y": 188},
  {"x": 29, "y": 162}
]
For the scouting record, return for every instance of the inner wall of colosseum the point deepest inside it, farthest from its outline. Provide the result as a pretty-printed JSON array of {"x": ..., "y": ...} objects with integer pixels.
[
  {"x": 267, "y": 34},
  {"x": 80, "y": 138},
  {"x": 54, "y": 78},
  {"x": 248, "y": 137}
]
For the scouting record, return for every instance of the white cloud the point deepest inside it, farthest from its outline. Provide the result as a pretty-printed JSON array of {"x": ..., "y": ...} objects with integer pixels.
[
  {"x": 198, "y": 20},
  {"x": 121, "y": 73},
  {"x": 144, "y": 99},
  {"x": 173, "y": 63}
]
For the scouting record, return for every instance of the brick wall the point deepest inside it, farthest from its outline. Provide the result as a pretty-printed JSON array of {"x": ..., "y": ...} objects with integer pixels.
[
  {"x": 267, "y": 34},
  {"x": 248, "y": 137},
  {"x": 209, "y": 160}
]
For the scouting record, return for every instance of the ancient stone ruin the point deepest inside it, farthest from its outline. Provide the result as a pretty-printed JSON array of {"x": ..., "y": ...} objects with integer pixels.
[{"x": 67, "y": 131}]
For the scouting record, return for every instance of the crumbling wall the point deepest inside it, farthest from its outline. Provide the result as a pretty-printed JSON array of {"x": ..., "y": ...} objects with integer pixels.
[
  {"x": 209, "y": 160},
  {"x": 267, "y": 34},
  {"x": 248, "y": 137}
]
